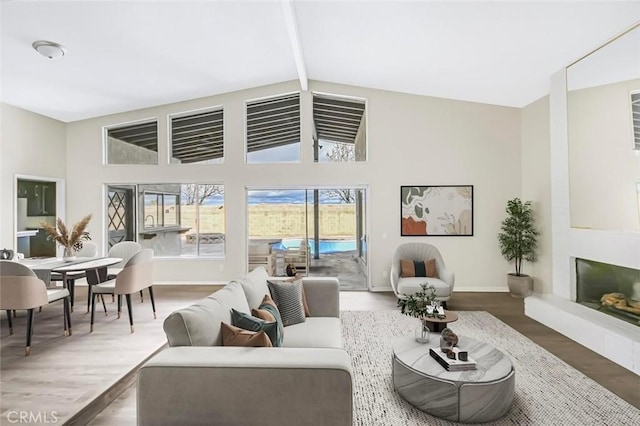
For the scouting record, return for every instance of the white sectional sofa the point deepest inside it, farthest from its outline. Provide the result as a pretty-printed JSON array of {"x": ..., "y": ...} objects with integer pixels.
[{"x": 307, "y": 381}]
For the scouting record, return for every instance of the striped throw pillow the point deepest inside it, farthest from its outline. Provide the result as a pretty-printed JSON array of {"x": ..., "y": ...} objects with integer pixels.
[{"x": 288, "y": 298}]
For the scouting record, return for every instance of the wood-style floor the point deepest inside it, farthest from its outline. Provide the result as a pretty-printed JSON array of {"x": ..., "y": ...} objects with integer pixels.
[{"x": 40, "y": 377}]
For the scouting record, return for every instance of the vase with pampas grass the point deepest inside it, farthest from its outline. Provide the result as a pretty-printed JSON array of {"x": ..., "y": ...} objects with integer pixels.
[{"x": 69, "y": 238}]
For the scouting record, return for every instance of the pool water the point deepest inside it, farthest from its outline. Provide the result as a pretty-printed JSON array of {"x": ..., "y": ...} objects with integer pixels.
[{"x": 326, "y": 246}]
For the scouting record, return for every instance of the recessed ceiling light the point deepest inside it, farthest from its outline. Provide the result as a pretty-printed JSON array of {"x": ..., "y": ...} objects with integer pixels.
[{"x": 49, "y": 49}]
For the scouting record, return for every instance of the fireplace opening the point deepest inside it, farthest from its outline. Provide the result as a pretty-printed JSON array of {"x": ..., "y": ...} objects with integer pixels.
[{"x": 611, "y": 289}]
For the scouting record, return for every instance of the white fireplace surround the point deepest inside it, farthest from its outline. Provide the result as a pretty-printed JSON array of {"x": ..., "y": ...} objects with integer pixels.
[{"x": 614, "y": 339}]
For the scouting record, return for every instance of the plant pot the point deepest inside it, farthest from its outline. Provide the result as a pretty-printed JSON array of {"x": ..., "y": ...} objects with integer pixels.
[{"x": 520, "y": 285}]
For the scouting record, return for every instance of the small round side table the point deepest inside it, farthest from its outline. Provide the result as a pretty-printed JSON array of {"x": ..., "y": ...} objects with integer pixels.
[{"x": 436, "y": 324}]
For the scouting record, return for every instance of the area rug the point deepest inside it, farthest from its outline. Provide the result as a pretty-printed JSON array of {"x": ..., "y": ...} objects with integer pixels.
[{"x": 548, "y": 390}]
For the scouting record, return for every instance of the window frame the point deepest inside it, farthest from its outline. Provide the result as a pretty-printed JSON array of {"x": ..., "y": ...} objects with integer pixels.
[
  {"x": 105, "y": 140},
  {"x": 365, "y": 116},
  {"x": 181, "y": 114},
  {"x": 246, "y": 123}
]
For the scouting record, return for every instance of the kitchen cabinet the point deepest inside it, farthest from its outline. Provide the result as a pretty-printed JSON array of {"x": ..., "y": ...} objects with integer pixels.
[
  {"x": 39, "y": 246},
  {"x": 41, "y": 197}
]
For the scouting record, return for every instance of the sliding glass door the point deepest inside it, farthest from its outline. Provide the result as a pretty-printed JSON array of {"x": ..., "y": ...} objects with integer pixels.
[{"x": 310, "y": 231}]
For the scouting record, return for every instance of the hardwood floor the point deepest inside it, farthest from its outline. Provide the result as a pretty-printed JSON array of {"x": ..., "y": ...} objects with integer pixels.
[{"x": 84, "y": 360}]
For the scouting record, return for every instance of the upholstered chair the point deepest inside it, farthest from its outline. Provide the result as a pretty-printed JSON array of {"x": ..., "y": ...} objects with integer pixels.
[
  {"x": 20, "y": 288},
  {"x": 136, "y": 275},
  {"x": 89, "y": 249},
  {"x": 420, "y": 252},
  {"x": 123, "y": 250}
]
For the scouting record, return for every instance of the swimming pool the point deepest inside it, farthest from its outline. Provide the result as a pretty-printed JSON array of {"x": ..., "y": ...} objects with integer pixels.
[{"x": 326, "y": 246}]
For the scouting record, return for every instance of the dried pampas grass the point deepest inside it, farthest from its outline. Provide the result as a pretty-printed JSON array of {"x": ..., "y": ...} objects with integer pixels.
[{"x": 68, "y": 238}]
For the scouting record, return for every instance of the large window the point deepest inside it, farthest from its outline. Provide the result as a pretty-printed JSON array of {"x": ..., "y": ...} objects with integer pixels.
[
  {"x": 197, "y": 137},
  {"x": 340, "y": 131},
  {"x": 134, "y": 143},
  {"x": 173, "y": 219},
  {"x": 273, "y": 129}
]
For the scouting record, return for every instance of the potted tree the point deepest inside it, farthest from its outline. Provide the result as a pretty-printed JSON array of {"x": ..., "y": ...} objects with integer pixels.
[{"x": 518, "y": 242}]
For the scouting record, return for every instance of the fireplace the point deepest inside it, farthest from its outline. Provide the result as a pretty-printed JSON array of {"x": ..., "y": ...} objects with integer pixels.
[{"x": 610, "y": 289}]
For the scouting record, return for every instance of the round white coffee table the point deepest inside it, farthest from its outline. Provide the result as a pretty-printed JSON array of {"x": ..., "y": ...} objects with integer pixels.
[{"x": 473, "y": 396}]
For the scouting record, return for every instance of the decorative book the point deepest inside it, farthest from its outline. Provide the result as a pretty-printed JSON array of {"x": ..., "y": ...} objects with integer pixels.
[{"x": 451, "y": 364}]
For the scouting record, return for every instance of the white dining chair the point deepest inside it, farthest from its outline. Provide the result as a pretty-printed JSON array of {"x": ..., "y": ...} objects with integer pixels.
[
  {"x": 20, "y": 289},
  {"x": 136, "y": 275}
]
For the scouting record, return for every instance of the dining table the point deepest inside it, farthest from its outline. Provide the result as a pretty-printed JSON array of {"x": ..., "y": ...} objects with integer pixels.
[{"x": 95, "y": 269}]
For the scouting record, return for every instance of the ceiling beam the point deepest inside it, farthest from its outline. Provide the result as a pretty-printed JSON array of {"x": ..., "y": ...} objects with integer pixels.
[{"x": 294, "y": 39}]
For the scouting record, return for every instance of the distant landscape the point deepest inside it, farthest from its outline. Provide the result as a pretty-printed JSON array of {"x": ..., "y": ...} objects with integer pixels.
[{"x": 278, "y": 220}]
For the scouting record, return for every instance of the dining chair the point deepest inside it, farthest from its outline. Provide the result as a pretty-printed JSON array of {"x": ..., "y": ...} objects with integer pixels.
[
  {"x": 89, "y": 249},
  {"x": 124, "y": 250},
  {"x": 136, "y": 275},
  {"x": 20, "y": 289}
]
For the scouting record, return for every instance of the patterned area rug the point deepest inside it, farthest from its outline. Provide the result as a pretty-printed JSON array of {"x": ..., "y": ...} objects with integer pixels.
[{"x": 548, "y": 390}]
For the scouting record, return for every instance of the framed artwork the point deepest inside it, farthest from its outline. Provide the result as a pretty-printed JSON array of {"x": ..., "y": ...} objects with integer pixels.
[{"x": 445, "y": 210}]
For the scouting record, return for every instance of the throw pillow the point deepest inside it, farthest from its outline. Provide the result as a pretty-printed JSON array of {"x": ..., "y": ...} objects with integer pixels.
[
  {"x": 248, "y": 322},
  {"x": 415, "y": 268},
  {"x": 305, "y": 305},
  {"x": 235, "y": 336},
  {"x": 288, "y": 298},
  {"x": 268, "y": 309}
]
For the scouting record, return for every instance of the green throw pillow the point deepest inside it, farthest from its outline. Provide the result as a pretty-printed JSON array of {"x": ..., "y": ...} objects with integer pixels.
[
  {"x": 248, "y": 322},
  {"x": 270, "y": 306}
]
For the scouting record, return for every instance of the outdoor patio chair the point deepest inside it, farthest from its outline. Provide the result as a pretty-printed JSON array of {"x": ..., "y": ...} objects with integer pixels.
[{"x": 299, "y": 256}]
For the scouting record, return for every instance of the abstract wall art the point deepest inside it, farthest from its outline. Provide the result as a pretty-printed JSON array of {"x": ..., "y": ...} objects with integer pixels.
[{"x": 445, "y": 210}]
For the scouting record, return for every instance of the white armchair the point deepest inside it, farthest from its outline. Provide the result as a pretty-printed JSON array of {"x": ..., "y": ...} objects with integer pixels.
[{"x": 402, "y": 286}]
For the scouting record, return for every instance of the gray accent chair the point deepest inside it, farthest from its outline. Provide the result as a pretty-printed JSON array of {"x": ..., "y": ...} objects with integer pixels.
[
  {"x": 403, "y": 286},
  {"x": 20, "y": 288},
  {"x": 136, "y": 275}
]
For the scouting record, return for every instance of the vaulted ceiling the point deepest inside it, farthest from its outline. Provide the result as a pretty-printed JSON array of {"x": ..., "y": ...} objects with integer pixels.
[{"x": 129, "y": 55}]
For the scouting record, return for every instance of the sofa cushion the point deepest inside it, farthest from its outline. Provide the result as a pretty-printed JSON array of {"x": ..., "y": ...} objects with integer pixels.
[
  {"x": 412, "y": 285},
  {"x": 232, "y": 295},
  {"x": 251, "y": 323},
  {"x": 315, "y": 332},
  {"x": 235, "y": 336},
  {"x": 255, "y": 286},
  {"x": 415, "y": 268},
  {"x": 198, "y": 324},
  {"x": 288, "y": 298}
]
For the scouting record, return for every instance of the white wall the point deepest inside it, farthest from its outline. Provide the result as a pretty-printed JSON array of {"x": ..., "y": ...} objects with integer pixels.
[
  {"x": 603, "y": 168},
  {"x": 412, "y": 140},
  {"x": 536, "y": 186},
  {"x": 617, "y": 340},
  {"x": 30, "y": 144}
]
